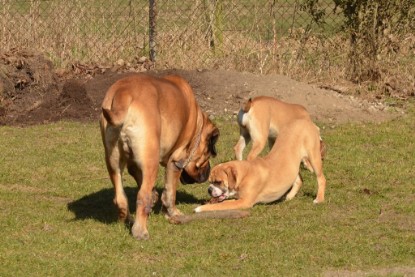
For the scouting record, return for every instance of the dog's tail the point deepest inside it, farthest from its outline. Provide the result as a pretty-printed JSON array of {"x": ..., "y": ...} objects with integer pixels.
[
  {"x": 323, "y": 147},
  {"x": 120, "y": 104},
  {"x": 244, "y": 109},
  {"x": 247, "y": 105}
]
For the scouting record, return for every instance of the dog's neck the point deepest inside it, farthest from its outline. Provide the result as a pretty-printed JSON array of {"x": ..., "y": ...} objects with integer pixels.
[{"x": 195, "y": 140}]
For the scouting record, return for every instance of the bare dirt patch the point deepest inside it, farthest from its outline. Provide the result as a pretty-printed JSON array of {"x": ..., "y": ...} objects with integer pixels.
[
  {"x": 394, "y": 271},
  {"x": 33, "y": 92}
]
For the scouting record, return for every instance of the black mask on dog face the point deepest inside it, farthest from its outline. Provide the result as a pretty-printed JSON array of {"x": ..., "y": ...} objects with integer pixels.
[{"x": 185, "y": 178}]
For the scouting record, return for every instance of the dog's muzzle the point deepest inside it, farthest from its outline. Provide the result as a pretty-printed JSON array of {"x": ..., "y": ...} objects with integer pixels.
[
  {"x": 217, "y": 193},
  {"x": 201, "y": 175}
]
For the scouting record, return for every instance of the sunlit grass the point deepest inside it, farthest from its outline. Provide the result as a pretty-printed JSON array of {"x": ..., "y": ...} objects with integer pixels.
[{"x": 57, "y": 216}]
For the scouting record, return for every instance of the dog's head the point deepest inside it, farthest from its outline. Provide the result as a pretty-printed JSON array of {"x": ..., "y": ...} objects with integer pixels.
[
  {"x": 198, "y": 168},
  {"x": 222, "y": 181}
]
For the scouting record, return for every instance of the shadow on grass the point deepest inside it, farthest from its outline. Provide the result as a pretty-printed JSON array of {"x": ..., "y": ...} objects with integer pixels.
[{"x": 100, "y": 206}]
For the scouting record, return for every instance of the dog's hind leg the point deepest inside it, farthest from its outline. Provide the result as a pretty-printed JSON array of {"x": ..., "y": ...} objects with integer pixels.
[
  {"x": 295, "y": 188},
  {"x": 259, "y": 134},
  {"x": 321, "y": 180},
  {"x": 115, "y": 165},
  {"x": 145, "y": 200},
  {"x": 317, "y": 165},
  {"x": 135, "y": 171},
  {"x": 144, "y": 155},
  {"x": 307, "y": 165}
]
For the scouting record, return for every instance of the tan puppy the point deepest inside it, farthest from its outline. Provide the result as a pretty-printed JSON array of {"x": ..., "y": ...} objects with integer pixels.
[
  {"x": 261, "y": 119},
  {"x": 147, "y": 121},
  {"x": 264, "y": 180}
]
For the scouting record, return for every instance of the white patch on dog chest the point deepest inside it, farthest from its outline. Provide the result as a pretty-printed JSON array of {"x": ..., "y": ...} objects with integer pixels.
[
  {"x": 233, "y": 193},
  {"x": 243, "y": 118},
  {"x": 273, "y": 130}
]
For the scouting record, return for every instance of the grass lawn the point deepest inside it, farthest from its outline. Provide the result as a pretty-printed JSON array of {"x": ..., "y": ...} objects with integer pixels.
[{"x": 57, "y": 217}]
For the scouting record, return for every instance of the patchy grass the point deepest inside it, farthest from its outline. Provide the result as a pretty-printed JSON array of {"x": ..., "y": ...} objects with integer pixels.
[{"x": 57, "y": 216}]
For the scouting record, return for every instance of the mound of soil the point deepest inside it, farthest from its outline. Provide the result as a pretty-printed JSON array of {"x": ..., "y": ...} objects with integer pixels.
[
  {"x": 73, "y": 103},
  {"x": 25, "y": 79},
  {"x": 31, "y": 92}
]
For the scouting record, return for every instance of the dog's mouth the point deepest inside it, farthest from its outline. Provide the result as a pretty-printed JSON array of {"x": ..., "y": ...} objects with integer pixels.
[
  {"x": 222, "y": 197},
  {"x": 218, "y": 193}
]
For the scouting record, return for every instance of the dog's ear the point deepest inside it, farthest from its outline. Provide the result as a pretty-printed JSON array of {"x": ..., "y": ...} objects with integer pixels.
[
  {"x": 214, "y": 135},
  {"x": 231, "y": 173}
]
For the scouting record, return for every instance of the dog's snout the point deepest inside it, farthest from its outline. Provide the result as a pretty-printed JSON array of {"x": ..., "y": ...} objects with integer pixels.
[{"x": 210, "y": 190}]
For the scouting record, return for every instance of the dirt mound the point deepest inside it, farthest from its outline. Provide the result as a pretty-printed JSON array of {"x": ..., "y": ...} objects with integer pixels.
[
  {"x": 25, "y": 78},
  {"x": 222, "y": 92},
  {"x": 32, "y": 93},
  {"x": 72, "y": 103}
]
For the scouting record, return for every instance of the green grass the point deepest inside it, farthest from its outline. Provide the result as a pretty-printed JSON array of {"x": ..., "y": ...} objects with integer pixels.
[{"x": 57, "y": 216}]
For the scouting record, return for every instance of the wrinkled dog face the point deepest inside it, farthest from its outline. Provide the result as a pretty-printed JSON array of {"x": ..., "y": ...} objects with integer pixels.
[
  {"x": 198, "y": 169},
  {"x": 222, "y": 182}
]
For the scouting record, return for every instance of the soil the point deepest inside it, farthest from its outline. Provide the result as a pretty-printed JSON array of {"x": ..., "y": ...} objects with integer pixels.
[{"x": 33, "y": 92}]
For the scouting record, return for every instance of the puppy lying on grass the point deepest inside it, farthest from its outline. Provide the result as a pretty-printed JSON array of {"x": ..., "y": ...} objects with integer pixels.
[{"x": 264, "y": 180}]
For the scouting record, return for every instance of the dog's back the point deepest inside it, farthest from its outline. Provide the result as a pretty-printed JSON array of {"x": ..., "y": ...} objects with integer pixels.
[
  {"x": 261, "y": 119},
  {"x": 272, "y": 110}
]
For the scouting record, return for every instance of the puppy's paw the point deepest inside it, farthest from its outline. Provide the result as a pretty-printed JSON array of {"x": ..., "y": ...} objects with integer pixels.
[
  {"x": 289, "y": 197},
  {"x": 198, "y": 209},
  {"x": 317, "y": 201}
]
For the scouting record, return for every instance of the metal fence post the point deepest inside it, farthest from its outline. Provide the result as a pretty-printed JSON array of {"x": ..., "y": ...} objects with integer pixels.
[{"x": 152, "y": 29}]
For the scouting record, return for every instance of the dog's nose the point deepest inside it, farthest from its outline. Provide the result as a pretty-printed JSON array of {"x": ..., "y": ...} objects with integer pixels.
[{"x": 210, "y": 189}]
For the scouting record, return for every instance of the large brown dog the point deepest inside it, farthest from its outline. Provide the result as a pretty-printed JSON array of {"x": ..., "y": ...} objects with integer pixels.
[
  {"x": 264, "y": 180},
  {"x": 261, "y": 119},
  {"x": 147, "y": 121}
]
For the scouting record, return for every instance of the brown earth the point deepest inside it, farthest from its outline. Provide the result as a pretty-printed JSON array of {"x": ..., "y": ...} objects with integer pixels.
[{"x": 33, "y": 92}]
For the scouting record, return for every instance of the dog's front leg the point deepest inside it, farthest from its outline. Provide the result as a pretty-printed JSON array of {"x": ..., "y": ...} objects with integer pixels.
[
  {"x": 226, "y": 205},
  {"x": 169, "y": 193},
  {"x": 321, "y": 180},
  {"x": 239, "y": 147},
  {"x": 295, "y": 188}
]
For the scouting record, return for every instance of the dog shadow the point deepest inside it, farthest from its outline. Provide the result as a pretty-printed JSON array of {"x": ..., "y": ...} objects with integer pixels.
[{"x": 100, "y": 206}]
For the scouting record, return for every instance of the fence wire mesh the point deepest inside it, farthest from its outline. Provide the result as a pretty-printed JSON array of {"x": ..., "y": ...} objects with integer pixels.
[
  {"x": 189, "y": 33},
  {"x": 258, "y": 36}
]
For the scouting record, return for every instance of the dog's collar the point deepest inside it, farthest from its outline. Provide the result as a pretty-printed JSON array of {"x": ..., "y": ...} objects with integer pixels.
[
  {"x": 181, "y": 165},
  {"x": 192, "y": 152}
]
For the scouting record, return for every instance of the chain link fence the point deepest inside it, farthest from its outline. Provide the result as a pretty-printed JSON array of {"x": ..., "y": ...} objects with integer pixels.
[
  {"x": 262, "y": 36},
  {"x": 183, "y": 34}
]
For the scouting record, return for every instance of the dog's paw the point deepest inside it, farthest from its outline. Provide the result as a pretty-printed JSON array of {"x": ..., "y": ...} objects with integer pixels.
[
  {"x": 289, "y": 197},
  {"x": 198, "y": 209},
  {"x": 316, "y": 201},
  {"x": 172, "y": 212},
  {"x": 139, "y": 232}
]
